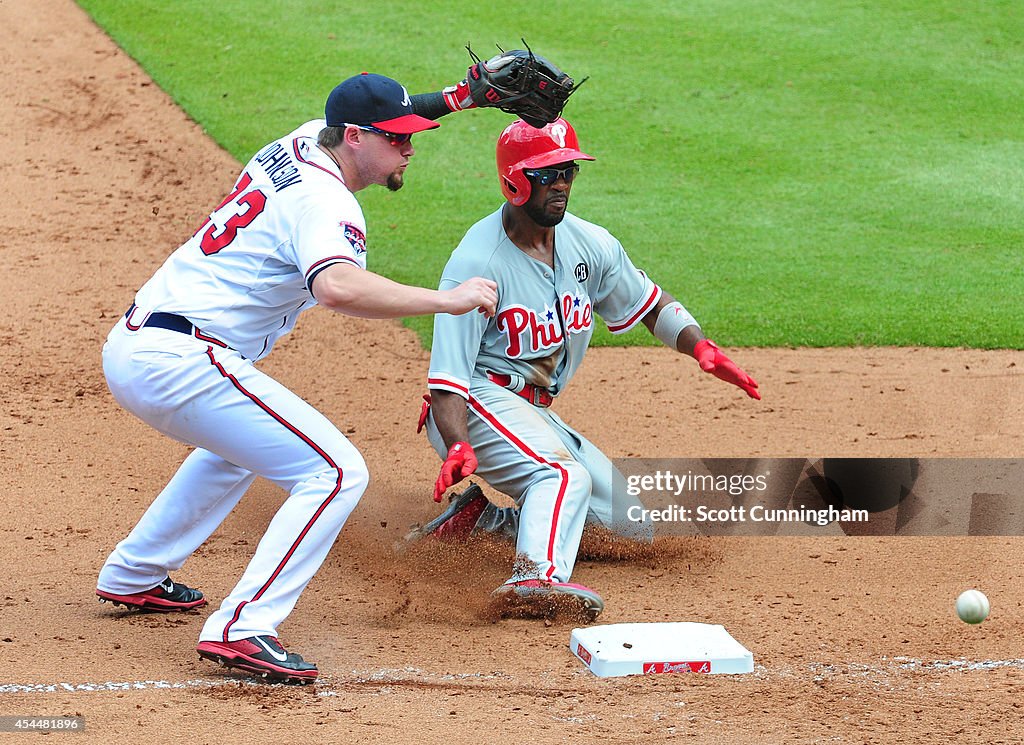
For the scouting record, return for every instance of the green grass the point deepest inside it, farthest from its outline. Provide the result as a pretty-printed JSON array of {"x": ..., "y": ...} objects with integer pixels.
[{"x": 816, "y": 172}]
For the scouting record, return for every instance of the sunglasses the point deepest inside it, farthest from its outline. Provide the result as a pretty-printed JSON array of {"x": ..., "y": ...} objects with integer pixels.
[
  {"x": 393, "y": 139},
  {"x": 548, "y": 176}
]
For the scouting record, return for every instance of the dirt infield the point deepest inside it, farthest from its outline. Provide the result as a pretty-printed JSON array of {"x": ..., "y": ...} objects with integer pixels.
[{"x": 854, "y": 639}]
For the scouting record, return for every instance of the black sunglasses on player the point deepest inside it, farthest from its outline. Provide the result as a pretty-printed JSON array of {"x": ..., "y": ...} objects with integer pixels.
[
  {"x": 393, "y": 138},
  {"x": 548, "y": 176}
]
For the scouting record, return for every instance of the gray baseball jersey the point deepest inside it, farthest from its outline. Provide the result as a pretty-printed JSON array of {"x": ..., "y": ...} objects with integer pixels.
[{"x": 545, "y": 317}]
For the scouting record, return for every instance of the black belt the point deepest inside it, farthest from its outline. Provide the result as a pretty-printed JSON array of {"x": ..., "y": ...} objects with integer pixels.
[
  {"x": 171, "y": 322},
  {"x": 167, "y": 321}
]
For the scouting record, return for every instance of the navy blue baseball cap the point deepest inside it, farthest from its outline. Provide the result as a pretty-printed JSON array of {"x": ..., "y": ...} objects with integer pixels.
[{"x": 374, "y": 100}]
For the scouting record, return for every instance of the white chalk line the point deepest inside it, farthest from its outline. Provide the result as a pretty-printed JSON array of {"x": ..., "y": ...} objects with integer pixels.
[
  {"x": 137, "y": 685},
  {"x": 382, "y": 677},
  {"x": 411, "y": 675},
  {"x": 907, "y": 663},
  {"x": 898, "y": 664}
]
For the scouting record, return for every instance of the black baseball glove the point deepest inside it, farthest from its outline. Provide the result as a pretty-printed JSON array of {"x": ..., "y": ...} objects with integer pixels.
[{"x": 522, "y": 83}]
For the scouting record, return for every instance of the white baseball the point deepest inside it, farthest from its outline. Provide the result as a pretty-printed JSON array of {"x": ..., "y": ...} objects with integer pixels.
[{"x": 972, "y": 606}]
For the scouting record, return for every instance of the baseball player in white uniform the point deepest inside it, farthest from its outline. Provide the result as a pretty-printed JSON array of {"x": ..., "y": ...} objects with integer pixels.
[
  {"x": 493, "y": 379},
  {"x": 290, "y": 235}
]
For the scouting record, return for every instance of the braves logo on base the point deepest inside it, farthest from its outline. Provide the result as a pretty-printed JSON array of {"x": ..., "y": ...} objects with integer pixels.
[{"x": 657, "y": 668}]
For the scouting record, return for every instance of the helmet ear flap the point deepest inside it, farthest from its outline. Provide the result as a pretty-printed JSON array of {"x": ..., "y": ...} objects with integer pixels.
[{"x": 516, "y": 188}]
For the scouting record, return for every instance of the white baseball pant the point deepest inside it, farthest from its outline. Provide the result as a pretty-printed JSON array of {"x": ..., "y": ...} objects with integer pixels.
[{"x": 243, "y": 423}]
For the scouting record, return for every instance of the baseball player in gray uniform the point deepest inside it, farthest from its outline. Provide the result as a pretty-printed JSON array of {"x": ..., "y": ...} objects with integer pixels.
[
  {"x": 493, "y": 379},
  {"x": 290, "y": 236}
]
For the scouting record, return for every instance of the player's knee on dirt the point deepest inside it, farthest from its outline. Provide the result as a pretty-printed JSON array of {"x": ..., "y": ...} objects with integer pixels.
[
  {"x": 621, "y": 525},
  {"x": 615, "y": 510},
  {"x": 580, "y": 480}
]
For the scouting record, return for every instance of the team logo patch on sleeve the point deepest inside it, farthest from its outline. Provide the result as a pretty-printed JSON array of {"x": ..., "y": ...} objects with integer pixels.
[{"x": 355, "y": 237}]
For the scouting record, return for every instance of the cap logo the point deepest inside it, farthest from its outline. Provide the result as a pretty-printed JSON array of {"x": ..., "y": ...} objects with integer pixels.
[
  {"x": 406, "y": 101},
  {"x": 558, "y": 133}
]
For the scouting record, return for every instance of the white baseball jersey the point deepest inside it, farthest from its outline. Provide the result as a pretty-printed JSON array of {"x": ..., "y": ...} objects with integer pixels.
[
  {"x": 245, "y": 276},
  {"x": 242, "y": 281},
  {"x": 545, "y": 318}
]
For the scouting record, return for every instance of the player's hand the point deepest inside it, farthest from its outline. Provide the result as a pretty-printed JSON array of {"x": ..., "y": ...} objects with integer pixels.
[
  {"x": 712, "y": 360},
  {"x": 461, "y": 462},
  {"x": 476, "y": 293},
  {"x": 424, "y": 413}
]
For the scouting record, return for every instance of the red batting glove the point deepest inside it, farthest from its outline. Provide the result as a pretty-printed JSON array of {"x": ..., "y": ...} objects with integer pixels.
[
  {"x": 424, "y": 411},
  {"x": 712, "y": 360},
  {"x": 461, "y": 462}
]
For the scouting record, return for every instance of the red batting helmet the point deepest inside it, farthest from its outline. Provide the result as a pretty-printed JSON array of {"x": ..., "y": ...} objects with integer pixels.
[{"x": 523, "y": 146}]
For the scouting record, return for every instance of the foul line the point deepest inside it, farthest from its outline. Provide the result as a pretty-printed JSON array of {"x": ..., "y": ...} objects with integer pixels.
[
  {"x": 895, "y": 665},
  {"x": 414, "y": 676},
  {"x": 137, "y": 685},
  {"x": 382, "y": 677}
]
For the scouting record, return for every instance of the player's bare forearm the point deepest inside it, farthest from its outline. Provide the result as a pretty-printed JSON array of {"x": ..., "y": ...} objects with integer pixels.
[
  {"x": 449, "y": 412},
  {"x": 687, "y": 338},
  {"x": 356, "y": 292}
]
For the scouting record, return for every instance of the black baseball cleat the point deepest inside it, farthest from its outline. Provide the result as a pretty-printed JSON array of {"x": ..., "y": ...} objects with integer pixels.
[
  {"x": 167, "y": 596},
  {"x": 262, "y": 656}
]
